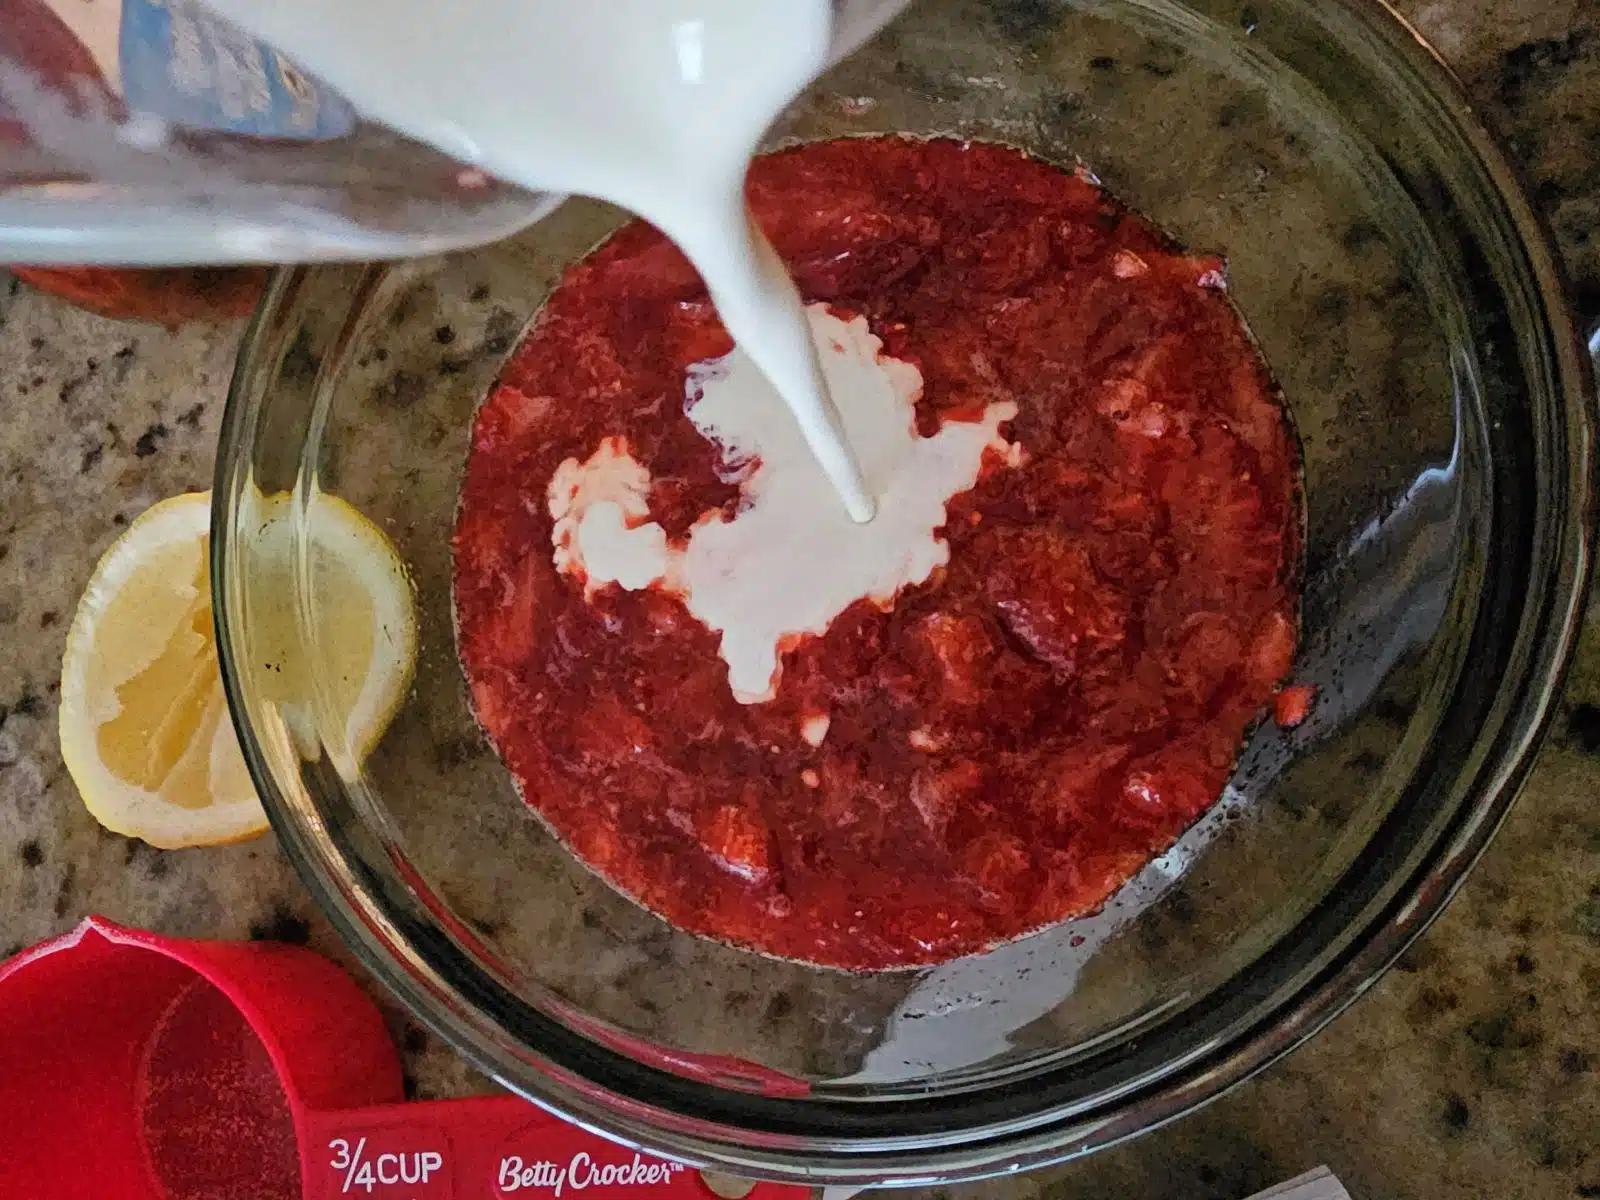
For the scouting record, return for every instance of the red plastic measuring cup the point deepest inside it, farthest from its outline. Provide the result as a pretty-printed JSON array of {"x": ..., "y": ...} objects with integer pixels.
[{"x": 140, "y": 1067}]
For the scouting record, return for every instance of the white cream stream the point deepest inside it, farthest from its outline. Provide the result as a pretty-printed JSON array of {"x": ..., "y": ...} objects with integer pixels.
[{"x": 655, "y": 105}]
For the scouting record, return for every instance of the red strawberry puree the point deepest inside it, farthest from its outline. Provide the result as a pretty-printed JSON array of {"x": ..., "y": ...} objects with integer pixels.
[{"x": 1015, "y": 737}]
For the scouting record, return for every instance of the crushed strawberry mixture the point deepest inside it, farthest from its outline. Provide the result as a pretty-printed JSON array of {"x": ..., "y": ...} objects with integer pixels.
[{"x": 1017, "y": 736}]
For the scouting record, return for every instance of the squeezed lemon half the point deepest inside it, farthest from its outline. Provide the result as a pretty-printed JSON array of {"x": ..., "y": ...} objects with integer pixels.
[{"x": 144, "y": 725}]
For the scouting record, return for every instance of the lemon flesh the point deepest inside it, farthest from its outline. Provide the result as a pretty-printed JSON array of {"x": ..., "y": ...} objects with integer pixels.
[{"x": 145, "y": 731}]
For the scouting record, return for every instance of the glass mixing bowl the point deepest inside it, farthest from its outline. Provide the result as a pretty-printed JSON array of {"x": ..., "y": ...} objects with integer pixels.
[{"x": 1403, "y": 295}]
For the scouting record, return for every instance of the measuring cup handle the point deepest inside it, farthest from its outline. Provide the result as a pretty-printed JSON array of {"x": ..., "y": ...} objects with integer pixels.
[{"x": 488, "y": 1148}]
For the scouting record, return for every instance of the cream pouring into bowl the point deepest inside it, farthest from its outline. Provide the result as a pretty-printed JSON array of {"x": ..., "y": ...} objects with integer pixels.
[{"x": 1405, "y": 299}]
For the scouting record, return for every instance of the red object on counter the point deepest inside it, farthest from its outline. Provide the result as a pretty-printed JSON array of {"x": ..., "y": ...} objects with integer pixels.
[
  {"x": 139, "y": 1067},
  {"x": 1016, "y": 737},
  {"x": 167, "y": 296}
]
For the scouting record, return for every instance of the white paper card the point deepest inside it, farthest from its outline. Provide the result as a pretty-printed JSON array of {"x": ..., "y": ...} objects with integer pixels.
[{"x": 1317, "y": 1184}]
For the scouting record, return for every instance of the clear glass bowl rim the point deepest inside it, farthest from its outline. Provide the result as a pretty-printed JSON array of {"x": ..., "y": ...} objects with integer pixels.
[{"x": 566, "y": 1079}]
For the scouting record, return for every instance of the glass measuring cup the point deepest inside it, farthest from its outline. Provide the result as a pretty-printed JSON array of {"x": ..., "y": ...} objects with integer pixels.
[
  {"x": 136, "y": 1066},
  {"x": 156, "y": 133}
]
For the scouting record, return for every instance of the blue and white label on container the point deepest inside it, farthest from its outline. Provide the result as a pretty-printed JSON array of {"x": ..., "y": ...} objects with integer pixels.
[{"x": 191, "y": 68}]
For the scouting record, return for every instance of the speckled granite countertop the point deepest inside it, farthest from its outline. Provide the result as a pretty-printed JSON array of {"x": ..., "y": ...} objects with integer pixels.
[{"x": 1473, "y": 1070}]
